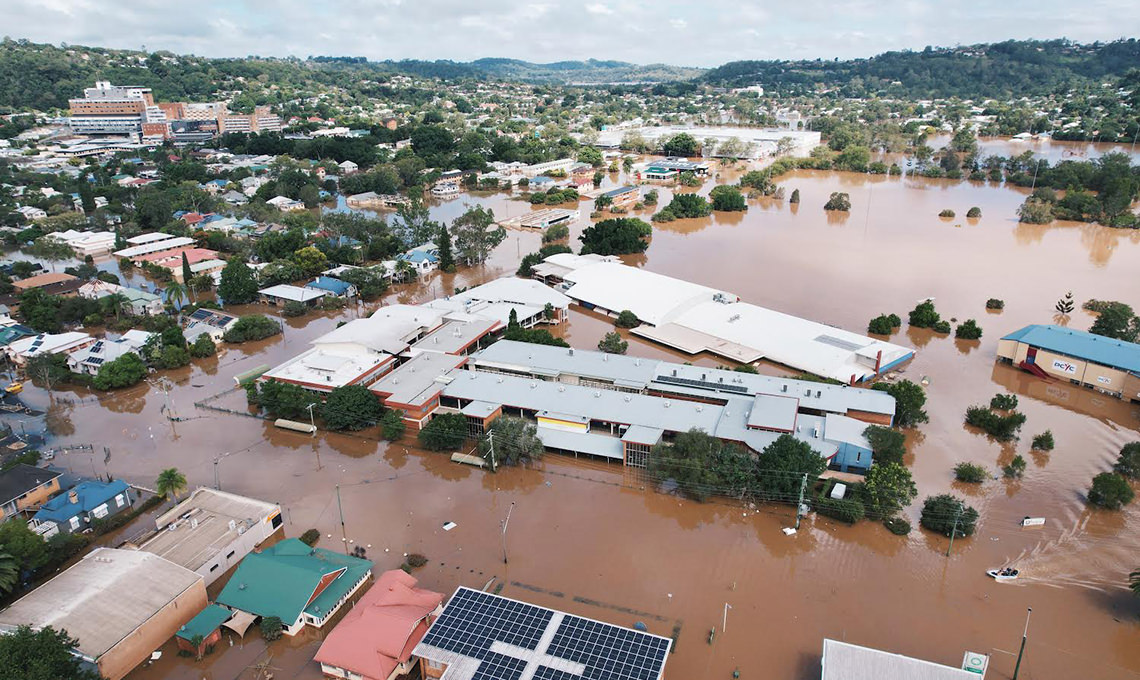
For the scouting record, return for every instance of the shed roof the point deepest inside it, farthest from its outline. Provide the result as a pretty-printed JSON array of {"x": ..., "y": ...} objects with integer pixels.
[
  {"x": 1081, "y": 345},
  {"x": 207, "y": 621},
  {"x": 845, "y": 661},
  {"x": 285, "y": 291}
]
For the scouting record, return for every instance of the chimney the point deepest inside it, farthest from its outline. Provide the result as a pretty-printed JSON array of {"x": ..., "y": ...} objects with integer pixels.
[
  {"x": 878, "y": 361},
  {"x": 73, "y": 497}
]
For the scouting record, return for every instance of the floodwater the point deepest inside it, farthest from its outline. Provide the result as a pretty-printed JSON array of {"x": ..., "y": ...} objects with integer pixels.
[{"x": 589, "y": 538}]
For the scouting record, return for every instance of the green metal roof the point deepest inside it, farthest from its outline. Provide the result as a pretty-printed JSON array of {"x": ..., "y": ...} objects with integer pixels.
[
  {"x": 206, "y": 622},
  {"x": 279, "y": 580}
]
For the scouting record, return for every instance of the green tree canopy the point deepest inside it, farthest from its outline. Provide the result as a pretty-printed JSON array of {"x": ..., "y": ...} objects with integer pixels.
[
  {"x": 616, "y": 236},
  {"x": 43, "y": 654},
  {"x": 350, "y": 407},
  {"x": 238, "y": 285}
]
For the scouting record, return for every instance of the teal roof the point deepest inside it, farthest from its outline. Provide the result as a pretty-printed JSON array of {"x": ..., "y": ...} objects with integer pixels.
[
  {"x": 280, "y": 580},
  {"x": 206, "y": 622},
  {"x": 1081, "y": 345},
  {"x": 89, "y": 495}
]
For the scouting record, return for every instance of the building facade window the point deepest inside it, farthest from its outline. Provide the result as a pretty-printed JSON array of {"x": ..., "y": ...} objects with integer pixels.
[{"x": 637, "y": 455}]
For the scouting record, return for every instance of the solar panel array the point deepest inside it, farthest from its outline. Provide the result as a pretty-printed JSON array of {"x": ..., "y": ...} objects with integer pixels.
[{"x": 474, "y": 620}]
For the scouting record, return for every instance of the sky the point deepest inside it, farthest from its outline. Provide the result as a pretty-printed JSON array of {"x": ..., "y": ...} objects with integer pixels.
[{"x": 680, "y": 32}]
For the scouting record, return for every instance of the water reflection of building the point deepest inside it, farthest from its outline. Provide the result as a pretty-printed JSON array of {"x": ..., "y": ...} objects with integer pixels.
[{"x": 1105, "y": 364}]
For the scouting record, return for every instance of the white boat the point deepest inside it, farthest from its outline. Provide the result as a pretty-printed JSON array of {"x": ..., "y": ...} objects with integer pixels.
[
  {"x": 1002, "y": 575},
  {"x": 445, "y": 189},
  {"x": 1033, "y": 522}
]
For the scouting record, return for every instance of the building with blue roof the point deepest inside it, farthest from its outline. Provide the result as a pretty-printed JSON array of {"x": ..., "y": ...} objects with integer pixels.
[
  {"x": 1055, "y": 352},
  {"x": 75, "y": 510},
  {"x": 332, "y": 286},
  {"x": 423, "y": 258}
]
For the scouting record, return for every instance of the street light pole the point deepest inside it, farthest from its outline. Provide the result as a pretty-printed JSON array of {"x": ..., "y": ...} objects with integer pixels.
[
  {"x": 312, "y": 422},
  {"x": 505, "y": 522},
  {"x": 1024, "y": 635}
]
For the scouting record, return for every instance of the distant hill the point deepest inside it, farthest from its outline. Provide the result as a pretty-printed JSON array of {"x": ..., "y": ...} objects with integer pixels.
[
  {"x": 1011, "y": 68},
  {"x": 591, "y": 71}
]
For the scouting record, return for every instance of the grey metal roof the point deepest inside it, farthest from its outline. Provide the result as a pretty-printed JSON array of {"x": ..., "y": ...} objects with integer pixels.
[
  {"x": 845, "y": 661},
  {"x": 582, "y": 442},
  {"x": 20, "y": 479},
  {"x": 419, "y": 379},
  {"x": 773, "y": 412},
  {"x": 639, "y": 434}
]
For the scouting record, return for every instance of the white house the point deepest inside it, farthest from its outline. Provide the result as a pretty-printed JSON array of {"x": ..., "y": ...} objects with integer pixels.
[
  {"x": 86, "y": 243},
  {"x": 285, "y": 204},
  {"x": 31, "y": 212},
  {"x": 47, "y": 343},
  {"x": 347, "y": 167},
  {"x": 90, "y": 359}
]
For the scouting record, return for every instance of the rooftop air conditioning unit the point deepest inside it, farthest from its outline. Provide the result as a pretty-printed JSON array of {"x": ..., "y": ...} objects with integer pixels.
[
  {"x": 818, "y": 393},
  {"x": 783, "y": 388}
]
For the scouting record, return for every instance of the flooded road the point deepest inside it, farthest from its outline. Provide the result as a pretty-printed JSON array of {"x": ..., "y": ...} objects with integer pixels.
[{"x": 587, "y": 537}]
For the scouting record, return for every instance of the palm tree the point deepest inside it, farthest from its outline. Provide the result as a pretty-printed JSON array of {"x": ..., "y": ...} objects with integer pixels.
[
  {"x": 175, "y": 293},
  {"x": 116, "y": 303},
  {"x": 1134, "y": 582},
  {"x": 170, "y": 481},
  {"x": 9, "y": 573}
]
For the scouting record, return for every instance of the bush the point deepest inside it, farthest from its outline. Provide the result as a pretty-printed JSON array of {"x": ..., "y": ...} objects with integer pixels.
[
  {"x": 924, "y": 315},
  {"x": 612, "y": 343},
  {"x": 897, "y": 526},
  {"x": 970, "y": 473},
  {"x": 795, "y": 196},
  {"x": 1128, "y": 463},
  {"x": 350, "y": 407},
  {"x": 974, "y": 212},
  {"x": 272, "y": 628},
  {"x": 887, "y": 445},
  {"x": 203, "y": 347},
  {"x": 838, "y": 201},
  {"x": 627, "y": 319},
  {"x": 688, "y": 205},
  {"x": 311, "y": 537},
  {"x": 882, "y": 324},
  {"x": 129, "y": 369},
  {"x": 995, "y": 303},
  {"x": 556, "y": 232},
  {"x": 416, "y": 560},
  {"x": 1110, "y": 491},
  {"x": 946, "y": 213},
  {"x": 1002, "y": 428},
  {"x": 948, "y": 515},
  {"x": 847, "y": 510},
  {"x": 392, "y": 425},
  {"x": 650, "y": 197},
  {"x": 942, "y": 327},
  {"x": 293, "y": 308},
  {"x": 727, "y": 198},
  {"x": 1043, "y": 441},
  {"x": 1004, "y": 402},
  {"x": 617, "y": 236},
  {"x": 252, "y": 327},
  {"x": 968, "y": 330},
  {"x": 445, "y": 431},
  {"x": 1016, "y": 467}
]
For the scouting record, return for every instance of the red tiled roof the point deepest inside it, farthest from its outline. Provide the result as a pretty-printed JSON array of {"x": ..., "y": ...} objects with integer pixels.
[{"x": 382, "y": 629}]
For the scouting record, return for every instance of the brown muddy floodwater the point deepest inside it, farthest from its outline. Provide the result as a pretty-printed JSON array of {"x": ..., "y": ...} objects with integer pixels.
[{"x": 589, "y": 538}]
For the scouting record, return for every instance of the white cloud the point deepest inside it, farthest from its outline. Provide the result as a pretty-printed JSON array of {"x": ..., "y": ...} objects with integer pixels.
[
  {"x": 678, "y": 23},
  {"x": 599, "y": 8}
]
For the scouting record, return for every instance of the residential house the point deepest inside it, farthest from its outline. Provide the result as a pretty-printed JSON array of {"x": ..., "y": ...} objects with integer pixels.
[
  {"x": 13, "y": 331},
  {"x": 19, "y": 351},
  {"x": 86, "y": 243},
  {"x": 74, "y": 510},
  {"x": 333, "y": 287},
  {"x": 90, "y": 359},
  {"x": 347, "y": 167},
  {"x": 120, "y": 605},
  {"x": 423, "y": 258},
  {"x": 141, "y": 303},
  {"x": 31, "y": 213},
  {"x": 285, "y": 204},
  {"x": 374, "y": 641},
  {"x": 26, "y": 487},
  {"x": 212, "y": 322},
  {"x": 235, "y": 198},
  {"x": 52, "y": 283},
  {"x": 301, "y": 585},
  {"x": 282, "y": 294}
]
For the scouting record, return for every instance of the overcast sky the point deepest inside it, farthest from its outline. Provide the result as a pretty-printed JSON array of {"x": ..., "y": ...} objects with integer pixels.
[{"x": 682, "y": 32}]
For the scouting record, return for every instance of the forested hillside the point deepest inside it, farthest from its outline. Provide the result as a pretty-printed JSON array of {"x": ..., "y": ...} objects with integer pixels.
[{"x": 996, "y": 70}]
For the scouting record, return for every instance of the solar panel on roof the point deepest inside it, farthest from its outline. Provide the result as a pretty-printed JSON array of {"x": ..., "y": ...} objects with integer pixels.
[{"x": 486, "y": 627}]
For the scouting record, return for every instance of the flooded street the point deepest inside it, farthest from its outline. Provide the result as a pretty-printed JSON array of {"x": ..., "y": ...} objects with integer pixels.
[{"x": 587, "y": 537}]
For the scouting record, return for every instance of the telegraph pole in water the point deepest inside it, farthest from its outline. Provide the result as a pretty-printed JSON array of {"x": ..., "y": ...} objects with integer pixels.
[
  {"x": 800, "y": 503},
  {"x": 505, "y": 522},
  {"x": 1024, "y": 635},
  {"x": 340, "y": 509},
  {"x": 954, "y": 531}
]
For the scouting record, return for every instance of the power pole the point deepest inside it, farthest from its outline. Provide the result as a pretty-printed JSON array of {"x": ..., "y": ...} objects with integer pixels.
[
  {"x": 505, "y": 522},
  {"x": 800, "y": 503},
  {"x": 1024, "y": 635},
  {"x": 217, "y": 484},
  {"x": 312, "y": 422},
  {"x": 491, "y": 447},
  {"x": 954, "y": 530},
  {"x": 724, "y": 622},
  {"x": 340, "y": 509}
]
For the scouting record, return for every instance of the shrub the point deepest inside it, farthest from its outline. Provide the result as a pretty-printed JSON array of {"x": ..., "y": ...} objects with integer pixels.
[
  {"x": 942, "y": 327},
  {"x": 1004, "y": 402},
  {"x": 968, "y": 330},
  {"x": 881, "y": 325},
  {"x": 887, "y": 445},
  {"x": 445, "y": 431},
  {"x": 974, "y": 212},
  {"x": 948, "y": 515},
  {"x": 727, "y": 198},
  {"x": 627, "y": 319},
  {"x": 612, "y": 343},
  {"x": 293, "y": 308},
  {"x": 795, "y": 196},
  {"x": 847, "y": 510},
  {"x": 1016, "y": 467},
  {"x": 924, "y": 315},
  {"x": 203, "y": 347},
  {"x": 129, "y": 369},
  {"x": 1002, "y": 428},
  {"x": 252, "y": 327},
  {"x": 392, "y": 425},
  {"x": 556, "y": 232},
  {"x": 688, "y": 205},
  {"x": 1043, "y": 441},
  {"x": 1128, "y": 463},
  {"x": 272, "y": 628},
  {"x": 311, "y": 537},
  {"x": 897, "y": 526},
  {"x": 650, "y": 197},
  {"x": 946, "y": 213},
  {"x": 416, "y": 560},
  {"x": 995, "y": 303},
  {"x": 970, "y": 473},
  {"x": 1111, "y": 491},
  {"x": 838, "y": 201}
]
